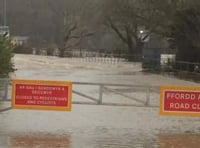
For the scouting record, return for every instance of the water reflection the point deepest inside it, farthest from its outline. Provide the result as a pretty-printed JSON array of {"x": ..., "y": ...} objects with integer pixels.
[
  {"x": 179, "y": 141},
  {"x": 132, "y": 140},
  {"x": 96, "y": 140},
  {"x": 40, "y": 141}
]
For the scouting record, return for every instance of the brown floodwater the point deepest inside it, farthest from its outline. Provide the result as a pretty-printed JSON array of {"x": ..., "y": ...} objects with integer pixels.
[
  {"x": 39, "y": 140},
  {"x": 179, "y": 141},
  {"x": 44, "y": 140},
  {"x": 96, "y": 127},
  {"x": 92, "y": 126}
]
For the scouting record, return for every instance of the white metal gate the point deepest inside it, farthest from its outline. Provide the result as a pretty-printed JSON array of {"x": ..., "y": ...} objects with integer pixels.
[{"x": 101, "y": 94}]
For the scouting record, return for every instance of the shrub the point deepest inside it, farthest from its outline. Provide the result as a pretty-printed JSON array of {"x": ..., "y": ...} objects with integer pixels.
[{"x": 6, "y": 54}]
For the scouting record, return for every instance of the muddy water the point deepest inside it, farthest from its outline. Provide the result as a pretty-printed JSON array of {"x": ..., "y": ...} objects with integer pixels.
[
  {"x": 65, "y": 141},
  {"x": 40, "y": 140},
  {"x": 95, "y": 126},
  {"x": 179, "y": 141},
  {"x": 44, "y": 140}
]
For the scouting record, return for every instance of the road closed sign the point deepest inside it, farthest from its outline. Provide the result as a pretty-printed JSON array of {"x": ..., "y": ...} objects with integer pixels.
[
  {"x": 180, "y": 101},
  {"x": 41, "y": 95}
]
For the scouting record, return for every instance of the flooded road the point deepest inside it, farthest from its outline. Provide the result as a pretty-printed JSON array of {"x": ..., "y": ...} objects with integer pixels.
[
  {"x": 97, "y": 127},
  {"x": 93, "y": 126}
]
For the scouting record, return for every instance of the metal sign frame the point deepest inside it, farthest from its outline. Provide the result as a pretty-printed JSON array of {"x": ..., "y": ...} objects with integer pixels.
[
  {"x": 178, "y": 111},
  {"x": 41, "y": 106}
]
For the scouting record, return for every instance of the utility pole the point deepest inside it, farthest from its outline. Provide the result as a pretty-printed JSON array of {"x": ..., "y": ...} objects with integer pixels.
[
  {"x": 4, "y": 29},
  {"x": 5, "y": 13}
]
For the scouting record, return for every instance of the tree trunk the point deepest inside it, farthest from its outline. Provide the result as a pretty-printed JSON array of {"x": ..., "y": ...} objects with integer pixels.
[{"x": 135, "y": 49}]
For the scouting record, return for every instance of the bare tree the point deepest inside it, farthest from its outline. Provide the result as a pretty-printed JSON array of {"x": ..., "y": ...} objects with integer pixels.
[
  {"x": 73, "y": 25},
  {"x": 128, "y": 18},
  {"x": 125, "y": 19}
]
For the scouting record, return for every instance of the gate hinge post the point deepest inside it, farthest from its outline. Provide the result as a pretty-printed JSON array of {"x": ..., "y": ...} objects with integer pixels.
[{"x": 101, "y": 94}]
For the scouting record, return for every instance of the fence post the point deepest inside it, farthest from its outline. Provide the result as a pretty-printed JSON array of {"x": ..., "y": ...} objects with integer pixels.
[
  {"x": 100, "y": 94},
  {"x": 6, "y": 89},
  {"x": 148, "y": 96}
]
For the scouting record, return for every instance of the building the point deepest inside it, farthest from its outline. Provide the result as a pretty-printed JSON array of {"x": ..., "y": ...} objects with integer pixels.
[
  {"x": 19, "y": 40},
  {"x": 157, "y": 53}
]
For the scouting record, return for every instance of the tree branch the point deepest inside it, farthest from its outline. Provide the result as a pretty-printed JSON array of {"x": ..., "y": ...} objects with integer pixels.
[
  {"x": 117, "y": 31},
  {"x": 67, "y": 36},
  {"x": 75, "y": 44}
]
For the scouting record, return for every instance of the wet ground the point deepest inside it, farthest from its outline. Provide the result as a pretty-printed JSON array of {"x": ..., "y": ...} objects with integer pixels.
[{"x": 92, "y": 126}]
